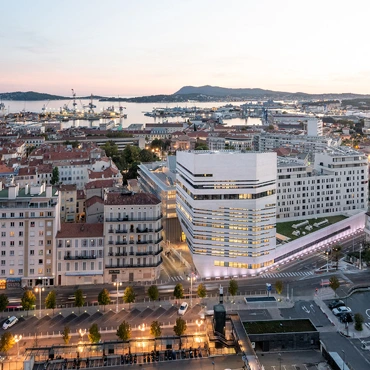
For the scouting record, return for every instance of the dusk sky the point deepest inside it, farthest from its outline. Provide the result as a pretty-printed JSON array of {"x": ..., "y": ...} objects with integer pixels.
[{"x": 143, "y": 47}]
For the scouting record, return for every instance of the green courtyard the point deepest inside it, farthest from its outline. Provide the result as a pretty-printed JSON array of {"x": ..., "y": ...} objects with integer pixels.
[{"x": 286, "y": 228}]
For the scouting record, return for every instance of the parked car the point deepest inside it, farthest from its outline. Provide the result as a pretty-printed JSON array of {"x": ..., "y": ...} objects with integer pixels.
[
  {"x": 184, "y": 306},
  {"x": 336, "y": 303},
  {"x": 340, "y": 310},
  {"x": 345, "y": 317},
  {"x": 10, "y": 322}
]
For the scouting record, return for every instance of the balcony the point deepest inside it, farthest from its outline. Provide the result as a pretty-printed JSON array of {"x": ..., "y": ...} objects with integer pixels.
[
  {"x": 133, "y": 265},
  {"x": 121, "y": 231},
  {"x": 160, "y": 229},
  {"x": 121, "y": 242},
  {"x": 120, "y": 254},
  {"x": 80, "y": 257},
  {"x": 143, "y": 242},
  {"x": 126, "y": 218},
  {"x": 146, "y": 230},
  {"x": 110, "y": 231},
  {"x": 110, "y": 254},
  {"x": 159, "y": 240},
  {"x": 111, "y": 242},
  {"x": 160, "y": 250}
]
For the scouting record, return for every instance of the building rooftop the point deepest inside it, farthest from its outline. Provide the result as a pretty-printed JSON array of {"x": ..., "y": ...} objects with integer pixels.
[
  {"x": 131, "y": 199},
  {"x": 70, "y": 230}
]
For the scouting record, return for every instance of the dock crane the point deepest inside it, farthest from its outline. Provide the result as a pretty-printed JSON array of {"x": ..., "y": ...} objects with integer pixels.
[{"x": 74, "y": 101}]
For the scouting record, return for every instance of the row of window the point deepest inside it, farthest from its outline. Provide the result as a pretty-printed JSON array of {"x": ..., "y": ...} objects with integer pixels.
[{"x": 243, "y": 265}]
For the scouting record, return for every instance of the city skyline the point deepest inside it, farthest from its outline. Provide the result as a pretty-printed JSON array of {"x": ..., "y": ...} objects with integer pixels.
[{"x": 144, "y": 48}]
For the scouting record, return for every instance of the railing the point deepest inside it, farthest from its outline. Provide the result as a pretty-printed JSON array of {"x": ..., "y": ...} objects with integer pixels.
[
  {"x": 121, "y": 242},
  {"x": 160, "y": 250},
  {"x": 111, "y": 242},
  {"x": 121, "y": 254},
  {"x": 143, "y": 242},
  {"x": 133, "y": 265},
  {"x": 126, "y": 218},
  {"x": 110, "y": 231},
  {"x": 160, "y": 229},
  {"x": 80, "y": 257},
  {"x": 121, "y": 231}
]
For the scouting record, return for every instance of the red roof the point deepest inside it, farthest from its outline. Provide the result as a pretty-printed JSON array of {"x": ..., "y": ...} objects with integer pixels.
[
  {"x": 131, "y": 199},
  {"x": 70, "y": 230}
]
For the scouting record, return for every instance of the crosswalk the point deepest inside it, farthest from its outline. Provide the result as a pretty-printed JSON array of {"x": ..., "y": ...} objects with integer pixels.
[
  {"x": 287, "y": 274},
  {"x": 177, "y": 278}
]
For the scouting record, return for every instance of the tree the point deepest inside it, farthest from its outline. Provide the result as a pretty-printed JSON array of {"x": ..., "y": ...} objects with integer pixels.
[
  {"x": 66, "y": 334},
  {"x": 155, "y": 331},
  {"x": 124, "y": 331},
  {"x": 334, "y": 284},
  {"x": 178, "y": 292},
  {"x": 55, "y": 176},
  {"x": 147, "y": 156},
  {"x": 104, "y": 298},
  {"x": 51, "y": 300},
  {"x": 4, "y": 301},
  {"x": 79, "y": 299},
  {"x": 279, "y": 286},
  {"x": 153, "y": 292},
  {"x": 359, "y": 320},
  {"x": 201, "y": 291},
  {"x": 28, "y": 300},
  {"x": 94, "y": 335},
  {"x": 180, "y": 328},
  {"x": 233, "y": 287},
  {"x": 6, "y": 341},
  {"x": 129, "y": 296}
]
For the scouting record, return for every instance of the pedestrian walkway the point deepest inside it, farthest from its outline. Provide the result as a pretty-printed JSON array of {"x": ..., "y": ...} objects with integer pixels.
[
  {"x": 287, "y": 274},
  {"x": 177, "y": 278}
]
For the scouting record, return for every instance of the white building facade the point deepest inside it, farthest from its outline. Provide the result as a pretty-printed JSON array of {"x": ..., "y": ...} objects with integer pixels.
[{"x": 226, "y": 204}]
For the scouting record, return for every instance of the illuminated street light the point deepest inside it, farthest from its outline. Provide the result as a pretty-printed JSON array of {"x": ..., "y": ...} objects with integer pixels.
[
  {"x": 17, "y": 338},
  {"x": 117, "y": 283},
  {"x": 82, "y": 332},
  {"x": 141, "y": 327},
  {"x": 191, "y": 287},
  {"x": 39, "y": 290}
]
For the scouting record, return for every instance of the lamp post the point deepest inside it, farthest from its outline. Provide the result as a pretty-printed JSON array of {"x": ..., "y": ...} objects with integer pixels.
[
  {"x": 39, "y": 290},
  {"x": 117, "y": 283},
  {"x": 213, "y": 363},
  {"x": 344, "y": 358},
  {"x": 360, "y": 267},
  {"x": 82, "y": 333},
  {"x": 17, "y": 338},
  {"x": 280, "y": 360},
  {"x": 191, "y": 288}
]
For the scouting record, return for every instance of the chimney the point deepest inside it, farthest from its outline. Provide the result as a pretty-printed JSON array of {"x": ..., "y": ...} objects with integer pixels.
[
  {"x": 26, "y": 189},
  {"x": 49, "y": 191},
  {"x": 13, "y": 191}
]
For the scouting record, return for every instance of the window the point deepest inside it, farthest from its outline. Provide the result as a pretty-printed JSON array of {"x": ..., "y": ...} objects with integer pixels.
[
  {"x": 3, "y": 234},
  {"x": 21, "y": 215},
  {"x": 76, "y": 266},
  {"x": 20, "y": 233},
  {"x": 21, "y": 224},
  {"x": 32, "y": 252},
  {"x": 32, "y": 271},
  {"x": 11, "y": 253},
  {"x": 32, "y": 224},
  {"x": 2, "y": 272},
  {"x": 41, "y": 233},
  {"x": 11, "y": 272},
  {"x": 41, "y": 253},
  {"x": 3, "y": 253},
  {"x": 20, "y": 271},
  {"x": 48, "y": 242},
  {"x": 41, "y": 214},
  {"x": 40, "y": 270},
  {"x": 41, "y": 261},
  {"x": 67, "y": 266},
  {"x": 12, "y": 224},
  {"x": 12, "y": 233},
  {"x": 3, "y": 262},
  {"x": 3, "y": 224},
  {"x": 59, "y": 266},
  {"x": 33, "y": 214}
]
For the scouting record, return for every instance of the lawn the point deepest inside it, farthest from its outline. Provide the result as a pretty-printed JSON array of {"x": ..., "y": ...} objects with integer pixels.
[
  {"x": 280, "y": 326},
  {"x": 286, "y": 229}
]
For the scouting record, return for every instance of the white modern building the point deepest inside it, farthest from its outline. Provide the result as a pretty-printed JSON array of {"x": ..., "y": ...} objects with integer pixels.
[
  {"x": 336, "y": 183},
  {"x": 133, "y": 237},
  {"x": 29, "y": 221},
  {"x": 226, "y": 204}
]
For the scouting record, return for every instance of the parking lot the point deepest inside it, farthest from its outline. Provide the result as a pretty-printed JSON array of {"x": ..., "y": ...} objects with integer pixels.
[
  {"x": 297, "y": 360},
  {"x": 306, "y": 309},
  {"x": 27, "y": 326}
]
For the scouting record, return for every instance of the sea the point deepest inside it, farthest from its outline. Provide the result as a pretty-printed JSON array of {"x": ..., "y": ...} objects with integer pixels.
[{"x": 135, "y": 111}]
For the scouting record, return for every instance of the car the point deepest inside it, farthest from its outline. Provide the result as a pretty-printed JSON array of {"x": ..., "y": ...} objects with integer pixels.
[
  {"x": 345, "y": 317},
  {"x": 10, "y": 322},
  {"x": 340, "y": 310},
  {"x": 184, "y": 306},
  {"x": 336, "y": 303}
]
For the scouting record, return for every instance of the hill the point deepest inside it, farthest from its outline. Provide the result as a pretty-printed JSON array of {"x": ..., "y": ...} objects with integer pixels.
[{"x": 29, "y": 95}]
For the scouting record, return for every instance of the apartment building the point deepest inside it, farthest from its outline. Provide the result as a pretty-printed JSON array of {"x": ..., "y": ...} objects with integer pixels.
[
  {"x": 29, "y": 221},
  {"x": 80, "y": 254},
  {"x": 336, "y": 183},
  {"x": 133, "y": 236},
  {"x": 68, "y": 203},
  {"x": 226, "y": 203},
  {"x": 159, "y": 178}
]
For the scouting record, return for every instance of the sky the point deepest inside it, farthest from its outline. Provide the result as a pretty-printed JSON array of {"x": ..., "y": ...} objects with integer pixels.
[{"x": 146, "y": 47}]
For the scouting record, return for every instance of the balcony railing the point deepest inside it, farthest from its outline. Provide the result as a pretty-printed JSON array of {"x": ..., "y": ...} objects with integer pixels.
[
  {"x": 160, "y": 229},
  {"x": 126, "y": 218},
  {"x": 111, "y": 231},
  {"x": 111, "y": 242},
  {"x": 133, "y": 265},
  {"x": 121, "y": 231},
  {"x": 80, "y": 257},
  {"x": 121, "y": 254},
  {"x": 121, "y": 242},
  {"x": 146, "y": 230}
]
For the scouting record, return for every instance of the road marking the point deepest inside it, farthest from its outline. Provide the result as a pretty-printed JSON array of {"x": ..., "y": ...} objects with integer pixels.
[{"x": 368, "y": 313}]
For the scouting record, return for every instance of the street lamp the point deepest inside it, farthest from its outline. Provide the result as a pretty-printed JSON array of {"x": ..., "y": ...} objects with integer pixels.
[
  {"x": 117, "y": 283},
  {"x": 17, "y": 338},
  {"x": 344, "y": 358},
  {"x": 39, "y": 290},
  {"x": 82, "y": 332},
  {"x": 360, "y": 267},
  {"x": 213, "y": 363},
  {"x": 191, "y": 288},
  {"x": 141, "y": 327},
  {"x": 199, "y": 323},
  {"x": 280, "y": 360}
]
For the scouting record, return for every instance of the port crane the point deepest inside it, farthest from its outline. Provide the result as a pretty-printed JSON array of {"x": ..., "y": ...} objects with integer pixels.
[{"x": 74, "y": 101}]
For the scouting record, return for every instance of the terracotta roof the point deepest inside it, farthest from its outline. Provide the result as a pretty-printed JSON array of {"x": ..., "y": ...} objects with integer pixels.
[
  {"x": 98, "y": 184},
  {"x": 68, "y": 187},
  {"x": 27, "y": 171},
  {"x": 70, "y": 230},
  {"x": 5, "y": 169},
  {"x": 93, "y": 200},
  {"x": 131, "y": 199},
  {"x": 81, "y": 194},
  {"x": 107, "y": 173}
]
